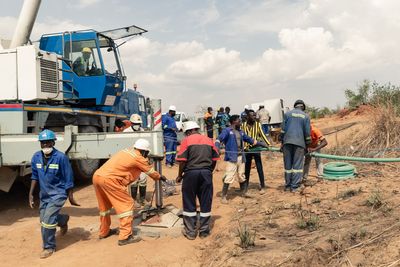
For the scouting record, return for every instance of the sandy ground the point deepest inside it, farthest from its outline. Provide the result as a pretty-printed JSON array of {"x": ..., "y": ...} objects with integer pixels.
[{"x": 343, "y": 221}]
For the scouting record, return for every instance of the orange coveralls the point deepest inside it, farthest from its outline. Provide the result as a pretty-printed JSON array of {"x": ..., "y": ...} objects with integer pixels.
[{"x": 110, "y": 184}]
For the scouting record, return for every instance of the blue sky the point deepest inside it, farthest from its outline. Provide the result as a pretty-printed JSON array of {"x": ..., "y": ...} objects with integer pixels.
[{"x": 224, "y": 52}]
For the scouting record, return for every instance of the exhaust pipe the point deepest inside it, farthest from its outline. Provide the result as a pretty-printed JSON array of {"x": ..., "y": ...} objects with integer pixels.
[{"x": 26, "y": 20}]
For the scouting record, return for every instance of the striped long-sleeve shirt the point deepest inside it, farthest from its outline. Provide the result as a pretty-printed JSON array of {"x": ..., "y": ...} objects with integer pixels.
[{"x": 254, "y": 131}]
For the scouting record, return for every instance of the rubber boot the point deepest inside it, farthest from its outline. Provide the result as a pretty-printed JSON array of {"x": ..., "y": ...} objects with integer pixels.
[
  {"x": 142, "y": 195},
  {"x": 134, "y": 189},
  {"x": 243, "y": 189},
  {"x": 224, "y": 193}
]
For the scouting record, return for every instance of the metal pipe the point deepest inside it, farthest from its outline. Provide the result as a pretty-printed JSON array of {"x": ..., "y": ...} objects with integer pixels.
[
  {"x": 25, "y": 23},
  {"x": 159, "y": 196}
]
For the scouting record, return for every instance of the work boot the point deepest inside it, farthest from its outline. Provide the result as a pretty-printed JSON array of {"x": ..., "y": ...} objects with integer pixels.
[
  {"x": 262, "y": 190},
  {"x": 46, "y": 253},
  {"x": 185, "y": 234},
  {"x": 114, "y": 231},
  {"x": 142, "y": 195},
  {"x": 243, "y": 189},
  {"x": 64, "y": 228},
  {"x": 131, "y": 239},
  {"x": 134, "y": 191},
  {"x": 225, "y": 188}
]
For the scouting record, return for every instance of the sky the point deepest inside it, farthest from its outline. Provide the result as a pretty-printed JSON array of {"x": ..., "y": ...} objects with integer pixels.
[{"x": 223, "y": 52}]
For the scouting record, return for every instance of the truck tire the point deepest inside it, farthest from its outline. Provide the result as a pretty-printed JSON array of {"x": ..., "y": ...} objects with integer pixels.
[{"x": 85, "y": 168}]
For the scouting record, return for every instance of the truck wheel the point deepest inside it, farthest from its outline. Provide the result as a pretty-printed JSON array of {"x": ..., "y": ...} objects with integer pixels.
[{"x": 85, "y": 168}]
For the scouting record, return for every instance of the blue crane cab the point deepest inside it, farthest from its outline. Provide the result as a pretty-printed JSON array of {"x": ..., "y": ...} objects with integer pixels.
[{"x": 92, "y": 73}]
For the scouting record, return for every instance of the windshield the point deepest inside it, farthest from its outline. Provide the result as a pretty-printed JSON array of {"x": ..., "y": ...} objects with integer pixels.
[
  {"x": 110, "y": 59},
  {"x": 177, "y": 117},
  {"x": 84, "y": 57}
]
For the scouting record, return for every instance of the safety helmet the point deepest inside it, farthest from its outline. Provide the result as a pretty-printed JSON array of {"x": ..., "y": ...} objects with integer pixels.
[
  {"x": 173, "y": 108},
  {"x": 47, "y": 135},
  {"x": 142, "y": 144},
  {"x": 135, "y": 118},
  {"x": 190, "y": 125},
  {"x": 246, "y": 107},
  {"x": 86, "y": 50},
  {"x": 299, "y": 102}
]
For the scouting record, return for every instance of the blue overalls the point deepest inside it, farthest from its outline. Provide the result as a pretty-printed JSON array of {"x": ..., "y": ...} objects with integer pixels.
[
  {"x": 170, "y": 138},
  {"x": 54, "y": 178},
  {"x": 295, "y": 136}
]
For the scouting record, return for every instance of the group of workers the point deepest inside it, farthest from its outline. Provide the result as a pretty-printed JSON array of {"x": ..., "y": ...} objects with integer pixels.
[{"x": 116, "y": 182}]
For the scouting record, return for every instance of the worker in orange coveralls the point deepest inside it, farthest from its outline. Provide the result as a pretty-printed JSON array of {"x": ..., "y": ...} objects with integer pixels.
[{"x": 110, "y": 184}]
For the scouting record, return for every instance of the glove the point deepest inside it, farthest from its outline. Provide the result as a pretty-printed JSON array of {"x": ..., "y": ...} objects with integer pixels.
[{"x": 163, "y": 178}]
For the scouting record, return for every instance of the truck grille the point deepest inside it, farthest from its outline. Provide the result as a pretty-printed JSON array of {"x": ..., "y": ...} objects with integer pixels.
[{"x": 49, "y": 76}]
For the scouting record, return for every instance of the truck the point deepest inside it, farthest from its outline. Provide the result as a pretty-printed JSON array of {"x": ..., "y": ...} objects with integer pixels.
[
  {"x": 74, "y": 84},
  {"x": 275, "y": 108}
]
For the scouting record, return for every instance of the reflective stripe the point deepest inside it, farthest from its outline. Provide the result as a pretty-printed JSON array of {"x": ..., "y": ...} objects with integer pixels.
[
  {"x": 205, "y": 214},
  {"x": 170, "y": 152},
  {"x": 282, "y": 131},
  {"x": 165, "y": 126},
  {"x": 53, "y": 166},
  {"x": 38, "y": 165},
  {"x": 130, "y": 152},
  {"x": 150, "y": 171},
  {"x": 105, "y": 213},
  {"x": 125, "y": 214},
  {"x": 308, "y": 138},
  {"x": 297, "y": 171},
  {"x": 297, "y": 115},
  {"x": 189, "y": 214},
  {"x": 288, "y": 171},
  {"x": 49, "y": 226}
]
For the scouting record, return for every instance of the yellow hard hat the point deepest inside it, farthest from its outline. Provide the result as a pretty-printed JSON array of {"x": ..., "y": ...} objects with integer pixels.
[{"x": 86, "y": 50}]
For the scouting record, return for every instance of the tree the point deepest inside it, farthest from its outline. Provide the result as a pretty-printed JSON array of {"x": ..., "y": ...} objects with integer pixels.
[{"x": 360, "y": 96}]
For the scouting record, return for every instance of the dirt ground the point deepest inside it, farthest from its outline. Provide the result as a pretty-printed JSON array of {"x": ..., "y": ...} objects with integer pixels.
[{"x": 342, "y": 223}]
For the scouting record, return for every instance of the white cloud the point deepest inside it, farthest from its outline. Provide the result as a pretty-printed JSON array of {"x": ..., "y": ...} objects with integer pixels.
[
  {"x": 202, "y": 17},
  {"x": 321, "y": 47},
  {"x": 49, "y": 25},
  {"x": 86, "y": 3}
]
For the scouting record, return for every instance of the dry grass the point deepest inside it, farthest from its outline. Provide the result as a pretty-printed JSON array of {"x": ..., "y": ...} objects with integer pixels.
[{"x": 384, "y": 131}]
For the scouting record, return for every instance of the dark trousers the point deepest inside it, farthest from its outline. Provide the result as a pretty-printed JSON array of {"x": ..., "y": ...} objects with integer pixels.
[
  {"x": 210, "y": 132},
  {"x": 50, "y": 218},
  {"x": 197, "y": 183},
  {"x": 257, "y": 159},
  {"x": 293, "y": 160},
  {"x": 170, "y": 149}
]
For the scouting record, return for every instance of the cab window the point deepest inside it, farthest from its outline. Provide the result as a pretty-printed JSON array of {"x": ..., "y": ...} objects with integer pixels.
[{"x": 84, "y": 57}]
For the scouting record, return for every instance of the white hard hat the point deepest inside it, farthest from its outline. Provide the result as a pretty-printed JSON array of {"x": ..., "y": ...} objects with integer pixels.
[
  {"x": 246, "y": 107},
  {"x": 142, "y": 144},
  {"x": 190, "y": 125},
  {"x": 135, "y": 118},
  {"x": 173, "y": 108}
]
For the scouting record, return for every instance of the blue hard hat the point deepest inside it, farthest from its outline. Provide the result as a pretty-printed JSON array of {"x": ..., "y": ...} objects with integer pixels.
[{"x": 46, "y": 135}]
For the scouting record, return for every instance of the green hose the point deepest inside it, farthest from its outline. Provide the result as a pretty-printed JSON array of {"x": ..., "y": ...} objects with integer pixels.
[
  {"x": 327, "y": 156},
  {"x": 270, "y": 148},
  {"x": 338, "y": 171}
]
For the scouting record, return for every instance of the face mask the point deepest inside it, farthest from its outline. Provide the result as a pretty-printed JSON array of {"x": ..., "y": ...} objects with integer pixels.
[
  {"x": 47, "y": 150},
  {"x": 136, "y": 127}
]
